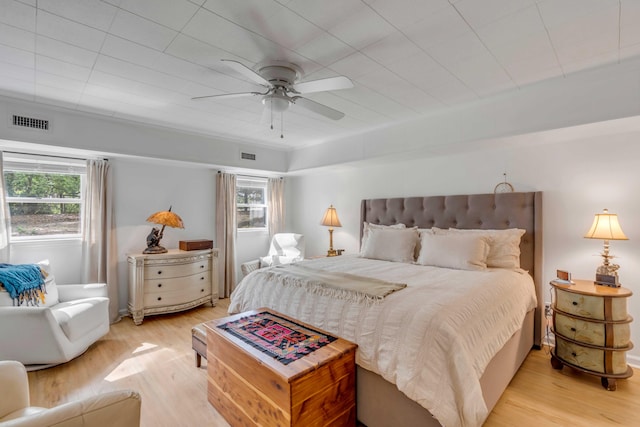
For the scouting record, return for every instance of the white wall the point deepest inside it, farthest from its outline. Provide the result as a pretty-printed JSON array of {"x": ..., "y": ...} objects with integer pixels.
[{"x": 578, "y": 177}]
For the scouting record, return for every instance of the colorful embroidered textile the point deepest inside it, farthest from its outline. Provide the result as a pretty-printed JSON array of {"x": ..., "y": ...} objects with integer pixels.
[
  {"x": 284, "y": 340},
  {"x": 24, "y": 282}
]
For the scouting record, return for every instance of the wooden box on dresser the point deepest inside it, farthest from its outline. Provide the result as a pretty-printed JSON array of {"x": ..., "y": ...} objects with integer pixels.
[
  {"x": 592, "y": 329},
  {"x": 174, "y": 281}
]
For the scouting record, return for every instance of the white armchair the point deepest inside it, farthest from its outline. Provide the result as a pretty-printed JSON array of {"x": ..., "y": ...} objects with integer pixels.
[
  {"x": 116, "y": 408},
  {"x": 71, "y": 319},
  {"x": 285, "y": 248}
]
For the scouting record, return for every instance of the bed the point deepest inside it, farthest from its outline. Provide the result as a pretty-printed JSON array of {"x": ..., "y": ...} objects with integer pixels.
[{"x": 422, "y": 373}]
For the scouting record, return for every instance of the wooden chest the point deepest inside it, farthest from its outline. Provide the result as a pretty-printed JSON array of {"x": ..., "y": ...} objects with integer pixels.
[
  {"x": 251, "y": 388},
  {"x": 195, "y": 245}
]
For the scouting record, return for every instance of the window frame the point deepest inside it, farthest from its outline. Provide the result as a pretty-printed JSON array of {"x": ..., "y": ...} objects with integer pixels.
[
  {"x": 53, "y": 165},
  {"x": 253, "y": 182}
]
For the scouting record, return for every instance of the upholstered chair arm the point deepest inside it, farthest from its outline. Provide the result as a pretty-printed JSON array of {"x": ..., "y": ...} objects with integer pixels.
[
  {"x": 89, "y": 290},
  {"x": 116, "y": 408},
  {"x": 13, "y": 379},
  {"x": 249, "y": 266}
]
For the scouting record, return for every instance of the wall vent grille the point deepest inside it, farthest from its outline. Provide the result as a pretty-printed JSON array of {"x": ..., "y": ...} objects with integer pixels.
[
  {"x": 30, "y": 122},
  {"x": 247, "y": 156}
]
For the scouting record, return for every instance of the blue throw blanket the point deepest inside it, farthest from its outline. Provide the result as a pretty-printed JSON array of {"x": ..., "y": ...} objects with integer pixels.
[{"x": 24, "y": 282}]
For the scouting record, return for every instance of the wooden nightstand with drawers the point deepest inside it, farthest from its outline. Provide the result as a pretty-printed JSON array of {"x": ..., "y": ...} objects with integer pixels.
[{"x": 592, "y": 330}]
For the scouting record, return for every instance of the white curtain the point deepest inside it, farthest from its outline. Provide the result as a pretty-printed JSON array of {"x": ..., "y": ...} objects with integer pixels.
[
  {"x": 99, "y": 253},
  {"x": 226, "y": 232},
  {"x": 5, "y": 219},
  {"x": 275, "y": 191}
]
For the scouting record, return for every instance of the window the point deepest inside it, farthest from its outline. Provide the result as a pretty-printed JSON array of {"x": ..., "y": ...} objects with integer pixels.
[
  {"x": 45, "y": 196},
  {"x": 251, "y": 203}
]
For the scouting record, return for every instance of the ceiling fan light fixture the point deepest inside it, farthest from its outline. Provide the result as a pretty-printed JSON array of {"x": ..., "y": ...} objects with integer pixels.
[{"x": 277, "y": 103}]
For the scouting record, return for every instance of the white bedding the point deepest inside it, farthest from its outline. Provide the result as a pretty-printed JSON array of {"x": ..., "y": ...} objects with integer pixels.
[{"x": 432, "y": 339}]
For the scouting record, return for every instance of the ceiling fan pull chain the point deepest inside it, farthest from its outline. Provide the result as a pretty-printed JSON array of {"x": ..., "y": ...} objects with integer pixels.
[
  {"x": 282, "y": 125},
  {"x": 271, "y": 111}
]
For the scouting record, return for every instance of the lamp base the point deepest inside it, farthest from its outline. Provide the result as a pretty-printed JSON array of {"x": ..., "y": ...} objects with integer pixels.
[
  {"x": 155, "y": 250},
  {"x": 332, "y": 252}
]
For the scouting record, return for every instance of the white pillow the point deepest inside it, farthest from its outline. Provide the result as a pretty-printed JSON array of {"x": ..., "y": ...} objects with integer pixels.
[
  {"x": 51, "y": 291},
  {"x": 459, "y": 251},
  {"x": 389, "y": 244},
  {"x": 269, "y": 260},
  {"x": 367, "y": 227},
  {"x": 504, "y": 245}
]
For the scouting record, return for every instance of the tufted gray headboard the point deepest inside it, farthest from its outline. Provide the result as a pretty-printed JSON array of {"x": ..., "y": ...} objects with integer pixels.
[{"x": 486, "y": 211}]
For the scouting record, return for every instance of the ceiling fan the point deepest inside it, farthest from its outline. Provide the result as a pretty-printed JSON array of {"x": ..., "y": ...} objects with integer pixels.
[{"x": 281, "y": 81}]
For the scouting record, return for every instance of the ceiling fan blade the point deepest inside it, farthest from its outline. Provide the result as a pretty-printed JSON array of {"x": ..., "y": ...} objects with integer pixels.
[
  {"x": 318, "y": 108},
  {"x": 230, "y": 95},
  {"x": 247, "y": 72},
  {"x": 332, "y": 83}
]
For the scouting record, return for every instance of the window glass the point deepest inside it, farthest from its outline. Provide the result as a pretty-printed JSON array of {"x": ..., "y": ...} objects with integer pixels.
[
  {"x": 251, "y": 203},
  {"x": 45, "y": 199}
]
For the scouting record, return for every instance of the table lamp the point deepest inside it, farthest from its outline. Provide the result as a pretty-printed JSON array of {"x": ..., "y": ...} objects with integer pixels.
[
  {"x": 606, "y": 227},
  {"x": 331, "y": 220},
  {"x": 163, "y": 218}
]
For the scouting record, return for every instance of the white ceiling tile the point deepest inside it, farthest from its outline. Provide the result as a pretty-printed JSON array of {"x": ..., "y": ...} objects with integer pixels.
[
  {"x": 532, "y": 70},
  {"x": 367, "y": 29},
  {"x": 520, "y": 25},
  {"x": 60, "y": 82},
  {"x": 171, "y": 13},
  {"x": 457, "y": 49},
  {"x": 327, "y": 13},
  {"x": 18, "y": 14},
  {"x": 70, "y": 32},
  {"x": 138, "y": 73},
  {"x": 437, "y": 28},
  {"x": 482, "y": 74},
  {"x": 391, "y": 48},
  {"x": 93, "y": 13},
  {"x": 140, "y": 30},
  {"x": 17, "y": 37},
  {"x": 53, "y": 66},
  {"x": 556, "y": 13},
  {"x": 14, "y": 56},
  {"x": 587, "y": 36},
  {"x": 325, "y": 49},
  {"x": 355, "y": 65},
  {"x": 267, "y": 18},
  {"x": 216, "y": 31},
  {"x": 478, "y": 14},
  {"x": 129, "y": 51},
  {"x": 17, "y": 72},
  {"x": 62, "y": 51},
  {"x": 201, "y": 53},
  {"x": 402, "y": 13}
]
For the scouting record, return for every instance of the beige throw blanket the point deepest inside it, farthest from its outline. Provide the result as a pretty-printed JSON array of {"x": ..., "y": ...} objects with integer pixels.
[{"x": 335, "y": 284}]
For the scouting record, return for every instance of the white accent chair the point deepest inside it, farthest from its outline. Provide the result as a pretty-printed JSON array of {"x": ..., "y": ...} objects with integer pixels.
[
  {"x": 116, "y": 408},
  {"x": 63, "y": 327},
  {"x": 285, "y": 248}
]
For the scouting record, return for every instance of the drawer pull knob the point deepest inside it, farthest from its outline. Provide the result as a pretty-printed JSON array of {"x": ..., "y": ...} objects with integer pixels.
[
  {"x": 574, "y": 354},
  {"x": 575, "y": 303},
  {"x": 202, "y": 278},
  {"x": 201, "y": 290},
  {"x": 159, "y": 271},
  {"x": 573, "y": 329},
  {"x": 159, "y": 298},
  {"x": 202, "y": 266},
  {"x": 159, "y": 285}
]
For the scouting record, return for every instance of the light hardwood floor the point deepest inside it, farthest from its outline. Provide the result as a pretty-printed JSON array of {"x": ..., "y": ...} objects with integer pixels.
[{"x": 156, "y": 359}]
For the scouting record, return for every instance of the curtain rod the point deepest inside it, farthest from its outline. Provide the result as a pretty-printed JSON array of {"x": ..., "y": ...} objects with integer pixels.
[
  {"x": 254, "y": 176},
  {"x": 48, "y": 155}
]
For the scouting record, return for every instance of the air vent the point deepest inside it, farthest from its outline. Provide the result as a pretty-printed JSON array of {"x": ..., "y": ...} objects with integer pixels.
[
  {"x": 30, "y": 122},
  {"x": 247, "y": 156}
]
